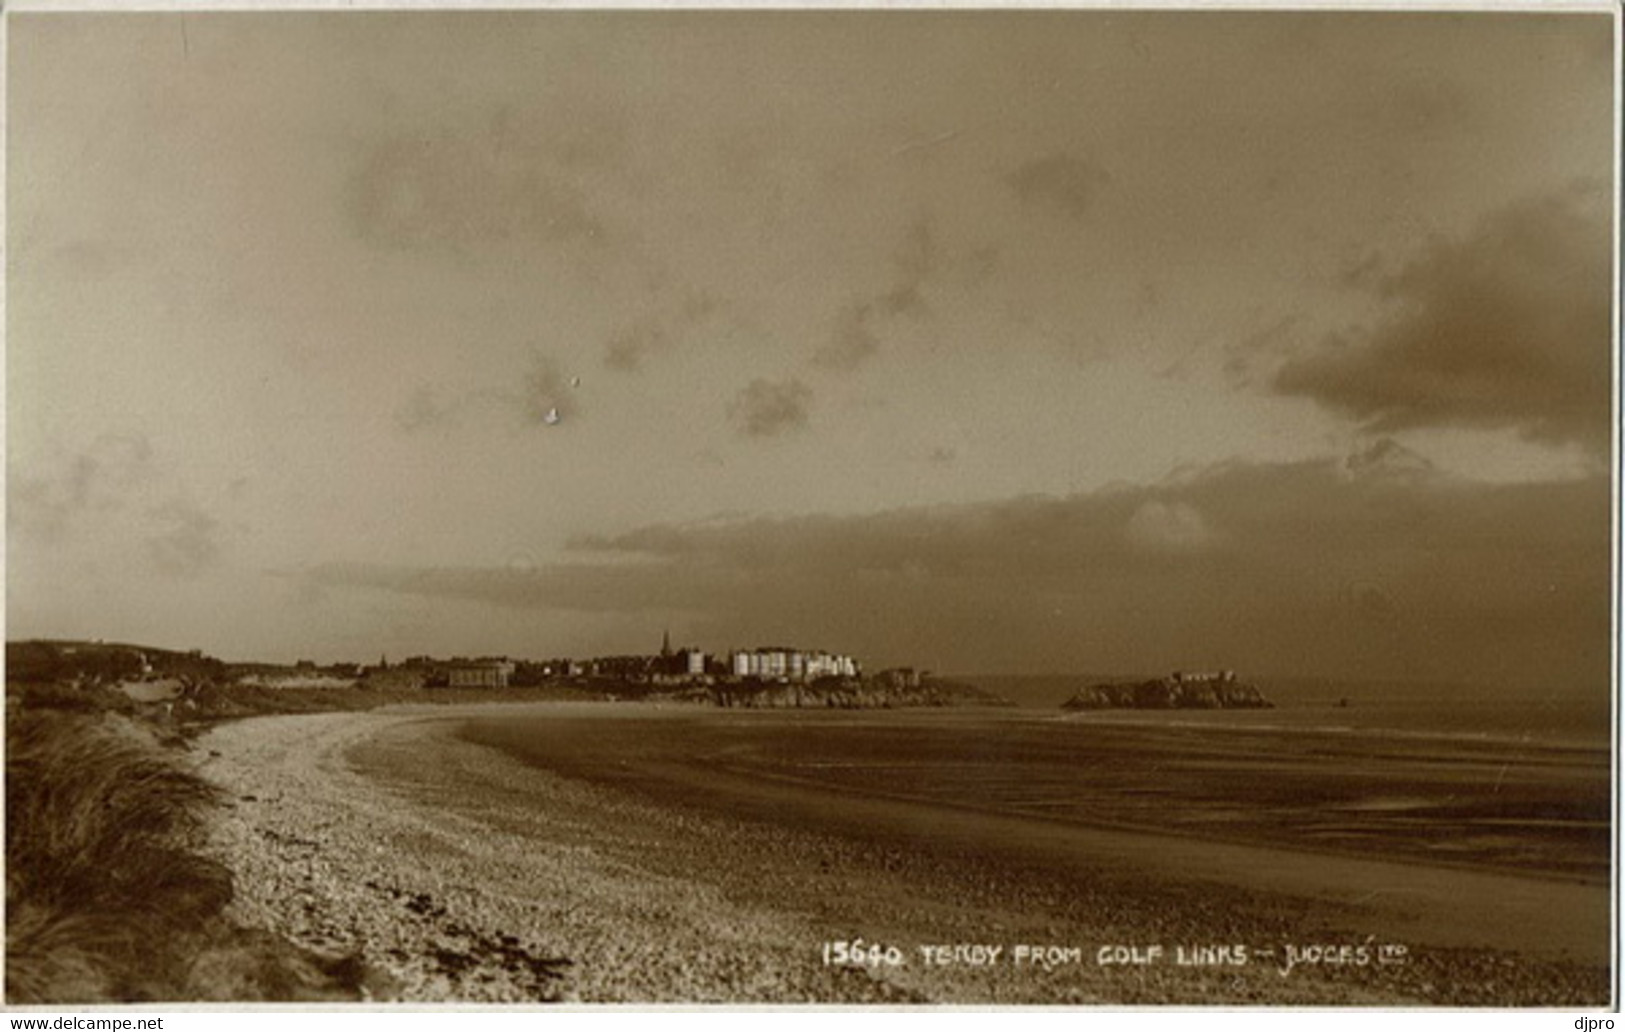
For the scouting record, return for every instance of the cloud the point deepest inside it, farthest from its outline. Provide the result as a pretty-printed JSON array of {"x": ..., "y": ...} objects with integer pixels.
[
  {"x": 97, "y": 479},
  {"x": 1418, "y": 107},
  {"x": 187, "y": 542},
  {"x": 853, "y": 341},
  {"x": 1168, "y": 527},
  {"x": 1060, "y": 180},
  {"x": 424, "y": 409},
  {"x": 1388, "y": 458},
  {"x": 768, "y": 409},
  {"x": 919, "y": 257},
  {"x": 1506, "y": 327},
  {"x": 1316, "y": 571},
  {"x": 919, "y": 261},
  {"x": 630, "y": 344},
  {"x": 453, "y": 189},
  {"x": 109, "y": 494},
  {"x": 1258, "y": 353},
  {"x": 545, "y": 394},
  {"x": 573, "y": 587}
]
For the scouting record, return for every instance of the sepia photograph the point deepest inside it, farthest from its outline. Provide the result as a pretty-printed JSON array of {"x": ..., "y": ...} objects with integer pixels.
[{"x": 1081, "y": 506}]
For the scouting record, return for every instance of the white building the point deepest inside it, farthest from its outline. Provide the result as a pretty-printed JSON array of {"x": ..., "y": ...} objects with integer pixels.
[
  {"x": 482, "y": 673},
  {"x": 791, "y": 664}
]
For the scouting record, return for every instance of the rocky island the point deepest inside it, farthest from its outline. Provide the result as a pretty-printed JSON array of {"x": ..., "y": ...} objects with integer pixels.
[{"x": 1180, "y": 690}]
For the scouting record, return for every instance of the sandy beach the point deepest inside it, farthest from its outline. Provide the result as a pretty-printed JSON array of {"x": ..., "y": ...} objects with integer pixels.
[{"x": 645, "y": 854}]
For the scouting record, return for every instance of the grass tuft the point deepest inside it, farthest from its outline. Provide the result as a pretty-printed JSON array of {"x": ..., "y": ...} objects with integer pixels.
[{"x": 108, "y": 895}]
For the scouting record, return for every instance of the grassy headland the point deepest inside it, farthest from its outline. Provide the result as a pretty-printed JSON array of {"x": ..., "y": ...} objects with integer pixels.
[{"x": 109, "y": 895}]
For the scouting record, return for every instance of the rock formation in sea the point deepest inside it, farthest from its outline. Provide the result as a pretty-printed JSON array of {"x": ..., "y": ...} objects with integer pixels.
[{"x": 1179, "y": 691}]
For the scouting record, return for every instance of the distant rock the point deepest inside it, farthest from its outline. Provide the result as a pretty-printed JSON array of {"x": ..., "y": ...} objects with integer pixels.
[{"x": 1181, "y": 691}]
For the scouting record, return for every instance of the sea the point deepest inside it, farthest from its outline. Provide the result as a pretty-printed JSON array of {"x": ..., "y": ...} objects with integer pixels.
[
  {"x": 1565, "y": 717},
  {"x": 1428, "y": 816}
]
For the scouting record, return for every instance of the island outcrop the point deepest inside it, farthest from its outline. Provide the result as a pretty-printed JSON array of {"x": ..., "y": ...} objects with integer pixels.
[{"x": 1180, "y": 690}]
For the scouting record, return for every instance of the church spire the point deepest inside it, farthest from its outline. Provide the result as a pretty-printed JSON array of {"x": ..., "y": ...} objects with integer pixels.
[{"x": 665, "y": 645}]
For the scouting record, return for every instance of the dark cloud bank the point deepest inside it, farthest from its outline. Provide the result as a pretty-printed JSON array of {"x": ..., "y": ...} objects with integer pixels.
[
  {"x": 1508, "y": 327},
  {"x": 1373, "y": 567}
]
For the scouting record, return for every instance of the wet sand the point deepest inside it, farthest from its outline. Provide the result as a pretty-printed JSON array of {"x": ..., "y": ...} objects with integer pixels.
[{"x": 689, "y": 855}]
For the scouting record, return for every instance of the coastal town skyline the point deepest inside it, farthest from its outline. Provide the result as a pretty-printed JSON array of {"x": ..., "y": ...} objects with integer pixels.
[{"x": 1017, "y": 341}]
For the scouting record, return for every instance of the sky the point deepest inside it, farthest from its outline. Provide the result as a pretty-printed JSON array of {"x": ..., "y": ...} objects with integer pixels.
[{"x": 1015, "y": 341}]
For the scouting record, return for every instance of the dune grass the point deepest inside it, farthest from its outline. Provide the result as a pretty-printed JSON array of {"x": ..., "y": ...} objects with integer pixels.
[{"x": 108, "y": 895}]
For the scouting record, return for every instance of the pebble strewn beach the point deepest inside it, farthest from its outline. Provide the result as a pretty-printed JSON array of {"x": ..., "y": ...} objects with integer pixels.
[
  {"x": 445, "y": 906},
  {"x": 459, "y": 874}
]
